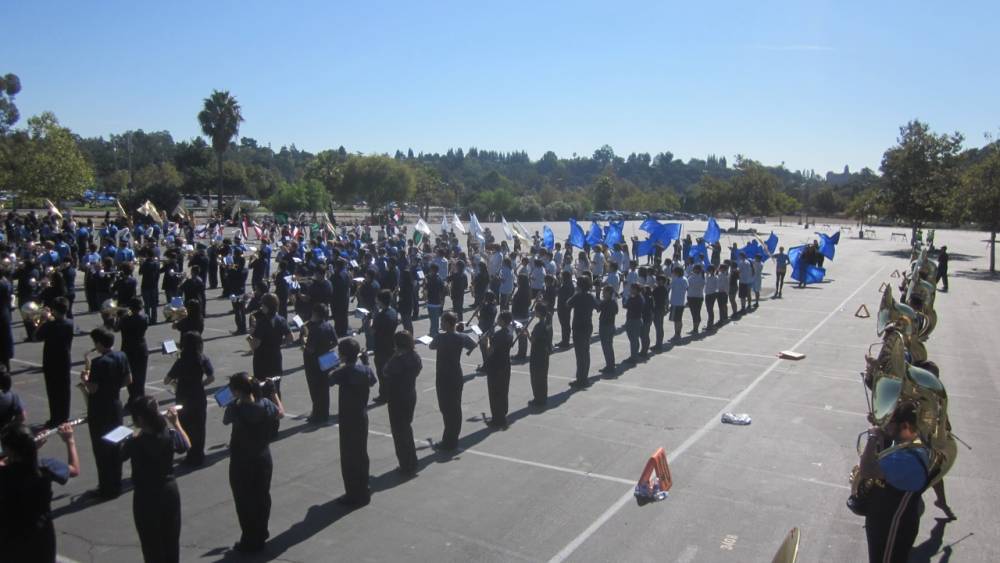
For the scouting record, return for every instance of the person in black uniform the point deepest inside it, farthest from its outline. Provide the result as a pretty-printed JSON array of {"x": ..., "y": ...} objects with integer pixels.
[
  {"x": 448, "y": 378},
  {"x": 149, "y": 270},
  {"x": 68, "y": 273},
  {"x": 341, "y": 282},
  {"x": 26, "y": 531},
  {"x": 236, "y": 279},
  {"x": 133, "y": 328},
  {"x": 487, "y": 318},
  {"x": 191, "y": 372},
  {"x": 458, "y": 282},
  {"x": 125, "y": 288},
  {"x": 607, "y": 313},
  {"x": 498, "y": 369},
  {"x": 404, "y": 299},
  {"x": 320, "y": 290},
  {"x": 213, "y": 266},
  {"x": 894, "y": 510},
  {"x": 250, "y": 465},
  {"x": 194, "y": 288},
  {"x": 281, "y": 286},
  {"x": 582, "y": 304},
  {"x": 108, "y": 374},
  {"x": 200, "y": 261},
  {"x": 942, "y": 269},
  {"x": 156, "y": 503},
  {"x": 659, "y": 298},
  {"x": 270, "y": 332},
  {"x": 383, "y": 328},
  {"x": 57, "y": 334},
  {"x": 318, "y": 338},
  {"x": 27, "y": 276},
  {"x": 352, "y": 418},
  {"x": 172, "y": 276},
  {"x": 258, "y": 270},
  {"x": 400, "y": 382},
  {"x": 538, "y": 361},
  {"x": 6, "y": 332},
  {"x": 520, "y": 309},
  {"x": 563, "y": 310}
]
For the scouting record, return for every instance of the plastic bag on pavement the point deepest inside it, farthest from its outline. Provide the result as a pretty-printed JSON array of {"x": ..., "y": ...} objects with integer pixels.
[{"x": 741, "y": 419}]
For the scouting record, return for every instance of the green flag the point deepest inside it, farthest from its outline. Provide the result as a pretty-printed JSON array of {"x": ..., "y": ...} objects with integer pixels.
[
  {"x": 281, "y": 218},
  {"x": 417, "y": 237}
]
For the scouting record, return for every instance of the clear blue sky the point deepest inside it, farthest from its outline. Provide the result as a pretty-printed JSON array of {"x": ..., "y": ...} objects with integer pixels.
[{"x": 813, "y": 84}]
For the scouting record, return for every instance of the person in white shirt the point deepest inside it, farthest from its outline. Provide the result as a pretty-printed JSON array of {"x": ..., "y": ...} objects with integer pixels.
[
  {"x": 696, "y": 295},
  {"x": 746, "y": 280},
  {"x": 613, "y": 280},
  {"x": 722, "y": 286},
  {"x": 558, "y": 256},
  {"x": 630, "y": 278},
  {"x": 678, "y": 300},
  {"x": 582, "y": 264},
  {"x": 711, "y": 289},
  {"x": 758, "y": 279},
  {"x": 537, "y": 278},
  {"x": 598, "y": 263}
]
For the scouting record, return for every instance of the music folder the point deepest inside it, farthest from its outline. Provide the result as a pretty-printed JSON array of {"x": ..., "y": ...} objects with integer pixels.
[
  {"x": 420, "y": 274},
  {"x": 354, "y": 263},
  {"x": 328, "y": 361},
  {"x": 224, "y": 396},
  {"x": 169, "y": 346},
  {"x": 426, "y": 339},
  {"x": 477, "y": 330},
  {"x": 298, "y": 322},
  {"x": 118, "y": 435},
  {"x": 361, "y": 313}
]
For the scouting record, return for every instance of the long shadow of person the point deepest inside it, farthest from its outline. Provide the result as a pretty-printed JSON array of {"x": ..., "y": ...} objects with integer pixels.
[{"x": 931, "y": 545}]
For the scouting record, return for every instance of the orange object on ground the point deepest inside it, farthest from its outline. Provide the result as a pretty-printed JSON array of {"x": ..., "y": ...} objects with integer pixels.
[{"x": 655, "y": 480}]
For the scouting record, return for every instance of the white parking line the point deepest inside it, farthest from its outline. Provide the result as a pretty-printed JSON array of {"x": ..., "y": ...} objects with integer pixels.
[{"x": 594, "y": 526}]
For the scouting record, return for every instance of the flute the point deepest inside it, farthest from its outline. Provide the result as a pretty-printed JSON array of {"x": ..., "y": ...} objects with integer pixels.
[{"x": 44, "y": 434}]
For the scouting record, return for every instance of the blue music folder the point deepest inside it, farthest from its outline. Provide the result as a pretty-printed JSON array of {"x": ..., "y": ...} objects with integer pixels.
[
  {"x": 328, "y": 361},
  {"x": 224, "y": 396}
]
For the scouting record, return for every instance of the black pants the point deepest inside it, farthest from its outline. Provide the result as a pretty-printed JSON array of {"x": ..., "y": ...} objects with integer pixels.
[
  {"x": 498, "y": 385},
  {"x": 250, "y": 480},
  {"x": 157, "y": 515},
  {"x": 405, "y": 320},
  {"x": 942, "y": 277},
  {"x": 607, "y": 334},
  {"x": 538, "y": 367},
  {"x": 151, "y": 303},
  {"x": 522, "y": 345},
  {"x": 564, "y": 317},
  {"x": 106, "y": 455},
  {"x": 192, "y": 418},
  {"x": 658, "y": 326},
  {"x": 380, "y": 361},
  {"x": 644, "y": 334},
  {"x": 723, "y": 300},
  {"x": 340, "y": 325},
  {"x": 710, "y": 308},
  {"x": 400, "y": 421},
  {"x": 695, "y": 303},
  {"x": 354, "y": 456},
  {"x": 240, "y": 314},
  {"x": 456, "y": 306},
  {"x": 319, "y": 393},
  {"x": 57, "y": 387},
  {"x": 449, "y": 396},
  {"x": 137, "y": 363},
  {"x": 581, "y": 346},
  {"x": 892, "y": 527}
]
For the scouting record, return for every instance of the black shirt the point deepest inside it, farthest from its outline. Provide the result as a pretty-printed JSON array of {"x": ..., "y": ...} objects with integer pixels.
[
  {"x": 322, "y": 338},
  {"x": 401, "y": 373},
  {"x": 501, "y": 342},
  {"x": 541, "y": 339},
  {"x": 267, "y": 357},
  {"x": 150, "y": 273},
  {"x": 133, "y": 328},
  {"x": 660, "y": 298},
  {"x": 110, "y": 373},
  {"x": 58, "y": 337},
  {"x": 449, "y": 346},
  {"x": 189, "y": 371},
  {"x": 354, "y": 381},
  {"x": 608, "y": 312},
  {"x": 384, "y": 327},
  {"x": 152, "y": 458},
  {"x": 253, "y": 424},
  {"x": 583, "y": 305},
  {"x": 435, "y": 290}
]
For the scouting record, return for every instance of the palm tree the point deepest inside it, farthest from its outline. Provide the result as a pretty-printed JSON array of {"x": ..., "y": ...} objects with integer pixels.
[{"x": 220, "y": 122}]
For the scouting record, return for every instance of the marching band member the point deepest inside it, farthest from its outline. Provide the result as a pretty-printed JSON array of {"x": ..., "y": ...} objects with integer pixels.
[
  {"x": 354, "y": 380},
  {"x": 319, "y": 337},
  {"x": 156, "y": 503},
  {"x": 57, "y": 334},
  {"x": 133, "y": 327},
  {"x": 250, "y": 466},
  {"x": 696, "y": 295},
  {"x": 194, "y": 321},
  {"x": 497, "y": 366},
  {"x": 538, "y": 362},
  {"x": 149, "y": 271},
  {"x": 780, "y": 268},
  {"x": 758, "y": 275},
  {"x": 108, "y": 373},
  {"x": 711, "y": 294},
  {"x": 434, "y": 291},
  {"x": 383, "y": 328},
  {"x": 191, "y": 372},
  {"x": 633, "y": 321},
  {"x": 582, "y": 305},
  {"x": 678, "y": 300},
  {"x": 607, "y": 313},
  {"x": 722, "y": 289},
  {"x": 26, "y": 531},
  {"x": 405, "y": 298},
  {"x": 458, "y": 282},
  {"x": 521, "y": 310},
  {"x": 449, "y": 379}
]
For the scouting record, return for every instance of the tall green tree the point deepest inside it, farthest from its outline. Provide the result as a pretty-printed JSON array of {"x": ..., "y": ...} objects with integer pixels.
[
  {"x": 376, "y": 179},
  {"x": 919, "y": 175},
  {"x": 10, "y": 85},
  {"x": 979, "y": 200},
  {"x": 220, "y": 121},
  {"x": 604, "y": 193},
  {"x": 46, "y": 162}
]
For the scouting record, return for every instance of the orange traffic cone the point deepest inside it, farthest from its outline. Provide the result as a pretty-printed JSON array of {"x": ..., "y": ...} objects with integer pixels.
[{"x": 655, "y": 481}]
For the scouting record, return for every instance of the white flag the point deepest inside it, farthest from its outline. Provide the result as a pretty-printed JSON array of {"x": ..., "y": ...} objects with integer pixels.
[
  {"x": 444, "y": 224},
  {"x": 457, "y": 223},
  {"x": 477, "y": 229},
  {"x": 422, "y": 227},
  {"x": 506, "y": 228},
  {"x": 521, "y": 232}
]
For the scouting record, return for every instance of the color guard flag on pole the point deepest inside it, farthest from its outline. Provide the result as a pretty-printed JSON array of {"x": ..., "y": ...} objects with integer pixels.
[
  {"x": 596, "y": 235},
  {"x": 712, "y": 232},
  {"x": 422, "y": 227},
  {"x": 457, "y": 223},
  {"x": 444, "y": 224},
  {"x": 548, "y": 238},
  {"x": 506, "y": 228},
  {"x": 575, "y": 234},
  {"x": 53, "y": 210},
  {"x": 477, "y": 229},
  {"x": 614, "y": 234}
]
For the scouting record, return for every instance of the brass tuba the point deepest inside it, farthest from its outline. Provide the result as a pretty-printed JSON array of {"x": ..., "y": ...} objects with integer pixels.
[
  {"x": 34, "y": 314},
  {"x": 110, "y": 309},
  {"x": 174, "y": 310}
]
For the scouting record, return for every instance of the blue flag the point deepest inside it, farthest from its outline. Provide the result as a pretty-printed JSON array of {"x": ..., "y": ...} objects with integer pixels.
[
  {"x": 712, "y": 232},
  {"x": 753, "y": 249},
  {"x": 827, "y": 246},
  {"x": 836, "y": 237},
  {"x": 700, "y": 250},
  {"x": 646, "y": 247},
  {"x": 595, "y": 235},
  {"x": 575, "y": 234},
  {"x": 649, "y": 225},
  {"x": 548, "y": 238},
  {"x": 812, "y": 274},
  {"x": 667, "y": 233},
  {"x": 614, "y": 234},
  {"x": 772, "y": 243}
]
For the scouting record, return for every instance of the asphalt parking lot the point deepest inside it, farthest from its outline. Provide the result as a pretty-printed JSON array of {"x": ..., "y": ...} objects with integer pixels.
[{"x": 557, "y": 485}]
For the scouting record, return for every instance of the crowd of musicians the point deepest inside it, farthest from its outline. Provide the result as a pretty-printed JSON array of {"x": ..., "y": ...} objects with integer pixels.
[{"x": 508, "y": 300}]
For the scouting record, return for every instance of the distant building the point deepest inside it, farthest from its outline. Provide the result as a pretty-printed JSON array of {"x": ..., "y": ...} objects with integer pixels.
[{"x": 839, "y": 179}]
